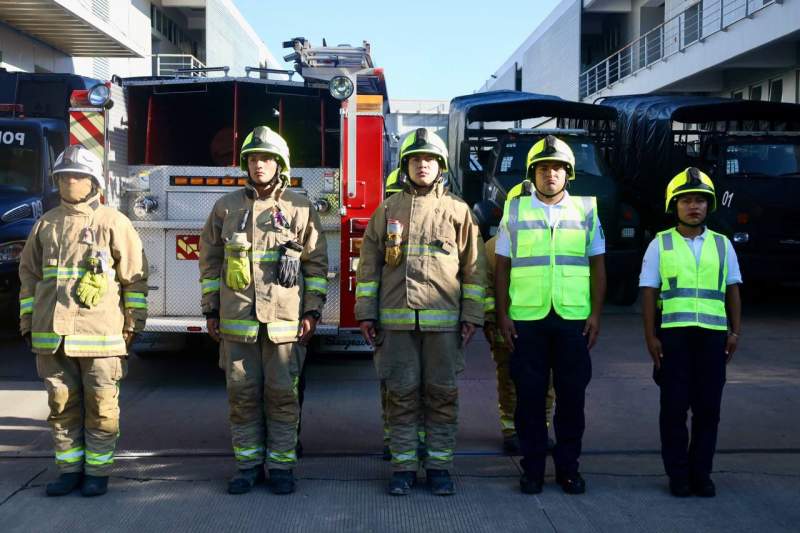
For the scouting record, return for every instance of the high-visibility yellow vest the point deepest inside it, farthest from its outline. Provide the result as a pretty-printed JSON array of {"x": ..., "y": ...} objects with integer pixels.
[
  {"x": 692, "y": 293},
  {"x": 550, "y": 268}
]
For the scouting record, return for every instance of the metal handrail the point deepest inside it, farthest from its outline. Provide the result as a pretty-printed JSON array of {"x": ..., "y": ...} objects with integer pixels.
[
  {"x": 170, "y": 64},
  {"x": 673, "y": 36},
  {"x": 201, "y": 70},
  {"x": 248, "y": 70}
]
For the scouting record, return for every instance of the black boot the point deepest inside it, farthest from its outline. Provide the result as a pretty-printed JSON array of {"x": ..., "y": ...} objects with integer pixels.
[
  {"x": 704, "y": 488},
  {"x": 281, "y": 481},
  {"x": 94, "y": 485},
  {"x": 244, "y": 481},
  {"x": 571, "y": 484},
  {"x": 530, "y": 485},
  {"x": 401, "y": 483},
  {"x": 65, "y": 484},
  {"x": 440, "y": 483},
  {"x": 679, "y": 487}
]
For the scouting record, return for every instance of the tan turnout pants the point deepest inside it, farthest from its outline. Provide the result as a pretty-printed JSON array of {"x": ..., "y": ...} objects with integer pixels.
[{"x": 83, "y": 394}]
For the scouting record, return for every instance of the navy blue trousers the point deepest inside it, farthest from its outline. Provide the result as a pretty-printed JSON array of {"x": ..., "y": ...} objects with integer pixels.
[
  {"x": 692, "y": 376},
  {"x": 541, "y": 346}
]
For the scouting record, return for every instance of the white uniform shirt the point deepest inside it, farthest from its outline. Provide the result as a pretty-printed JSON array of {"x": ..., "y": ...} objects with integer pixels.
[
  {"x": 651, "y": 275},
  {"x": 553, "y": 215}
]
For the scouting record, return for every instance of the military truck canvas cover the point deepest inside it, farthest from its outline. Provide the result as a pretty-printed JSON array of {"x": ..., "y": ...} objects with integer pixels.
[
  {"x": 507, "y": 106},
  {"x": 646, "y": 156}
]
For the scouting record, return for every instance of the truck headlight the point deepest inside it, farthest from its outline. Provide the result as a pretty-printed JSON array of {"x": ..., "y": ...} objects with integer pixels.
[
  {"x": 10, "y": 251},
  {"x": 340, "y": 87},
  {"x": 741, "y": 238},
  {"x": 100, "y": 95}
]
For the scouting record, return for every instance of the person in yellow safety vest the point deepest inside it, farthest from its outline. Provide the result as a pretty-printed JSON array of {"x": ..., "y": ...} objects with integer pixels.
[
  {"x": 83, "y": 298},
  {"x": 263, "y": 268},
  {"x": 693, "y": 273},
  {"x": 506, "y": 394},
  {"x": 393, "y": 183},
  {"x": 419, "y": 298},
  {"x": 549, "y": 288}
]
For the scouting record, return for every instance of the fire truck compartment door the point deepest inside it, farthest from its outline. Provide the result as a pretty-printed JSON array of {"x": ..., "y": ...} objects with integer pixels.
[{"x": 182, "y": 277}]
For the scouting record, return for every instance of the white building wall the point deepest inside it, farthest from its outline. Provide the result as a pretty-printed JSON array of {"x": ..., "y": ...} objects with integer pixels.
[
  {"x": 22, "y": 53},
  {"x": 552, "y": 64},
  {"x": 550, "y": 56},
  {"x": 127, "y": 18},
  {"x": 230, "y": 40}
]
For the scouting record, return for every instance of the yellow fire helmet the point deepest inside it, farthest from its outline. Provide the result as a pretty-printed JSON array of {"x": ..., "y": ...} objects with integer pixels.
[
  {"x": 393, "y": 183},
  {"x": 422, "y": 141},
  {"x": 550, "y": 148},
  {"x": 690, "y": 180},
  {"x": 264, "y": 140}
]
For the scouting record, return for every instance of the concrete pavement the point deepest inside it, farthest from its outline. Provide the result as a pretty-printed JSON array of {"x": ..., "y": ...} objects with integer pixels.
[{"x": 175, "y": 456}]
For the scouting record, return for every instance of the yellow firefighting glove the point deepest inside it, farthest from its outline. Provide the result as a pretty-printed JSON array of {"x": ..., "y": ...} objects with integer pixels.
[
  {"x": 237, "y": 251},
  {"x": 394, "y": 240},
  {"x": 93, "y": 283},
  {"x": 289, "y": 268}
]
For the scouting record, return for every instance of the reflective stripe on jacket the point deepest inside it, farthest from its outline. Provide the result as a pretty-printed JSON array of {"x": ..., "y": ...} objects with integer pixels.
[
  {"x": 441, "y": 278},
  {"x": 264, "y": 301},
  {"x": 54, "y": 260}
]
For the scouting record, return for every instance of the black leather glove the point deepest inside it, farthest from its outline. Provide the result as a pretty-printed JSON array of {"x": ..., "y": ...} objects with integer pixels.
[{"x": 289, "y": 267}]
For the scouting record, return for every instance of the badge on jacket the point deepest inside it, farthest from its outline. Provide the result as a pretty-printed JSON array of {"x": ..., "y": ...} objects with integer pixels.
[{"x": 87, "y": 236}]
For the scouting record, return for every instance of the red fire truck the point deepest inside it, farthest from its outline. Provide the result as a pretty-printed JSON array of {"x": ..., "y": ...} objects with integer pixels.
[{"x": 184, "y": 135}]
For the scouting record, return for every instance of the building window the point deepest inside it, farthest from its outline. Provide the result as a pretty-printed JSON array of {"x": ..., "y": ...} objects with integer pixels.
[
  {"x": 755, "y": 92},
  {"x": 738, "y": 95},
  {"x": 776, "y": 90}
]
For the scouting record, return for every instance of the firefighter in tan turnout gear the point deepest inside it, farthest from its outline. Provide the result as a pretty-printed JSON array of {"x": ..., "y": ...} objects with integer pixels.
[
  {"x": 263, "y": 267},
  {"x": 83, "y": 298},
  {"x": 420, "y": 296}
]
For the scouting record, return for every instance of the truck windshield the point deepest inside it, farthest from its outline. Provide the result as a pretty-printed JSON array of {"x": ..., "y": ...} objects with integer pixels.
[
  {"x": 18, "y": 169},
  {"x": 762, "y": 160},
  {"x": 510, "y": 166}
]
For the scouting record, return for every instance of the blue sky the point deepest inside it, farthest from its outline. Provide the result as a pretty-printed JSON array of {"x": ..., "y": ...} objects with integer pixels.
[{"x": 434, "y": 49}]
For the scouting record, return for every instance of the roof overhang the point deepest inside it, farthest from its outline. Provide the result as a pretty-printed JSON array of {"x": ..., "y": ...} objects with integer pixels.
[{"x": 66, "y": 26}]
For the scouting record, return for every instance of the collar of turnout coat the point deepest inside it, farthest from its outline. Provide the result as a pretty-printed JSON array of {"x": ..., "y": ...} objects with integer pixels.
[
  {"x": 275, "y": 193},
  {"x": 438, "y": 188},
  {"x": 83, "y": 208}
]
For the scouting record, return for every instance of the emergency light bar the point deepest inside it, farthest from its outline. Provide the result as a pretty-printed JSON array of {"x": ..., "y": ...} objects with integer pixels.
[{"x": 184, "y": 181}]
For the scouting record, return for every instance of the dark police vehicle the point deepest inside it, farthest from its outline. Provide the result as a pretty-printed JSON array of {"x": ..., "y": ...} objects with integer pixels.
[{"x": 34, "y": 129}]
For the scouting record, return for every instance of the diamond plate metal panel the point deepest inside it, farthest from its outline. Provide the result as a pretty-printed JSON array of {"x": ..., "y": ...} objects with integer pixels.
[
  {"x": 330, "y": 314},
  {"x": 183, "y": 279},
  {"x": 186, "y": 205},
  {"x": 322, "y": 184},
  {"x": 153, "y": 242}
]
